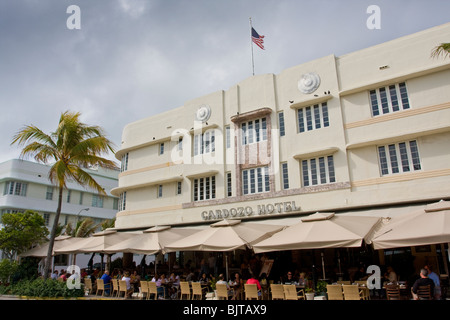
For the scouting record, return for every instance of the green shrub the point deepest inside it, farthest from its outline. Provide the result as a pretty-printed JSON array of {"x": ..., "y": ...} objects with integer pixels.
[{"x": 43, "y": 288}]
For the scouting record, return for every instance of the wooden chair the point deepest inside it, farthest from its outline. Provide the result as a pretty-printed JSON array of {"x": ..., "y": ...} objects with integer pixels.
[
  {"x": 352, "y": 292},
  {"x": 144, "y": 289},
  {"x": 222, "y": 291},
  {"x": 197, "y": 290},
  {"x": 152, "y": 290},
  {"x": 424, "y": 293},
  {"x": 88, "y": 285},
  {"x": 291, "y": 293},
  {"x": 334, "y": 292},
  {"x": 123, "y": 288},
  {"x": 277, "y": 291},
  {"x": 251, "y": 292},
  {"x": 115, "y": 288},
  {"x": 393, "y": 292},
  {"x": 185, "y": 290}
]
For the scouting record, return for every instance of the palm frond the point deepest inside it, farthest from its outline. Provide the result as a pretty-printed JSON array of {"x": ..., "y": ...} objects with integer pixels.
[{"x": 442, "y": 49}]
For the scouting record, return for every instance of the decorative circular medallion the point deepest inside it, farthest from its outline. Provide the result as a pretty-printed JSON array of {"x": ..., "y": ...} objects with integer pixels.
[
  {"x": 309, "y": 82},
  {"x": 203, "y": 113}
]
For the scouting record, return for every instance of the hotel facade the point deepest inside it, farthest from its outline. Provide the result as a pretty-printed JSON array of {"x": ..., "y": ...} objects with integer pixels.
[{"x": 366, "y": 131}]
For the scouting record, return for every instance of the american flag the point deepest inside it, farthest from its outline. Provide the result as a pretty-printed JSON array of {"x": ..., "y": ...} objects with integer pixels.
[{"x": 257, "y": 39}]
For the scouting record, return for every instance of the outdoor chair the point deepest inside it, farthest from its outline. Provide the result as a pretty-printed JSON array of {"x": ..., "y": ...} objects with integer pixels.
[
  {"x": 424, "y": 293},
  {"x": 393, "y": 292},
  {"x": 115, "y": 288},
  {"x": 123, "y": 288},
  {"x": 352, "y": 292},
  {"x": 334, "y": 292},
  {"x": 144, "y": 290},
  {"x": 152, "y": 290},
  {"x": 197, "y": 290},
  {"x": 277, "y": 291},
  {"x": 251, "y": 292},
  {"x": 88, "y": 285},
  {"x": 185, "y": 290},
  {"x": 222, "y": 291},
  {"x": 100, "y": 287},
  {"x": 291, "y": 293},
  {"x": 344, "y": 282}
]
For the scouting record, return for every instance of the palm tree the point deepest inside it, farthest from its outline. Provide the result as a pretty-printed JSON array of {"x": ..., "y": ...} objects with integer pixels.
[
  {"x": 442, "y": 49},
  {"x": 83, "y": 229},
  {"x": 73, "y": 147}
]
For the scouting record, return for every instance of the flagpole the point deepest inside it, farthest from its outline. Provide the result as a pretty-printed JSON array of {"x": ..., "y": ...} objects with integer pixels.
[{"x": 251, "y": 44}]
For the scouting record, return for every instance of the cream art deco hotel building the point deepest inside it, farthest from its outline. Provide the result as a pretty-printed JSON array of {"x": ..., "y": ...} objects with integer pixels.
[{"x": 366, "y": 132}]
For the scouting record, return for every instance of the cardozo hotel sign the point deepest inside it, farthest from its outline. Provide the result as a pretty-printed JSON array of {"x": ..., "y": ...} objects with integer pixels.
[{"x": 247, "y": 211}]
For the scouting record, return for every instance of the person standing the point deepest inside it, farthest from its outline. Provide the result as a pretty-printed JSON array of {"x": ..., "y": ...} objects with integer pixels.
[{"x": 437, "y": 285}]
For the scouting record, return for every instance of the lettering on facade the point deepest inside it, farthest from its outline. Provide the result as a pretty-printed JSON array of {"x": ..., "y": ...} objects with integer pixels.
[{"x": 248, "y": 211}]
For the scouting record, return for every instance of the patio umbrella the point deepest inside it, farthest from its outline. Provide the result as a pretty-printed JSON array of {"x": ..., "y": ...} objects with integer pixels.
[
  {"x": 99, "y": 242},
  {"x": 151, "y": 241},
  {"x": 40, "y": 251},
  {"x": 430, "y": 225},
  {"x": 320, "y": 231},
  {"x": 225, "y": 235}
]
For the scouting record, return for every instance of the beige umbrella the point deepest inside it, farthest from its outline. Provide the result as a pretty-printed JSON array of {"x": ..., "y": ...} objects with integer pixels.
[
  {"x": 225, "y": 235},
  {"x": 40, "y": 251},
  {"x": 99, "y": 242},
  {"x": 151, "y": 241},
  {"x": 430, "y": 225},
  {"x": 322, "y": 230}
]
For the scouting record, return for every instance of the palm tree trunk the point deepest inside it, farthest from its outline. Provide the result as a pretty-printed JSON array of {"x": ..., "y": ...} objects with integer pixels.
[{"x": 53, "y": 234}]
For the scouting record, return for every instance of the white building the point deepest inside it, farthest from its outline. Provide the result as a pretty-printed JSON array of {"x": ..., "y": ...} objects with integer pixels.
[
  {"x": 25, "y": 186},
  {"x": 364, "y": 131}
]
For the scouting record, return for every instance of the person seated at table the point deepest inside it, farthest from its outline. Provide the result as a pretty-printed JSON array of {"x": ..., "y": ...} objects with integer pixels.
[
  {"x": 253, "y": 280},
  {"x": 204, "y": 279},
  {"x": 135, "y": 279},
  {"x": 127, "y": 279},
  {"x": 237, "y": 285},
  {"x": 422, "y": 281},
  {"x": 302, "y": 279},
  {"x": 160, "y": 283},
  {"x": 107, "y": 282},
  {"x": 437, "y": 285},
  {"x": 289, "y": 278},
  {"x": 222, "y": 281}
]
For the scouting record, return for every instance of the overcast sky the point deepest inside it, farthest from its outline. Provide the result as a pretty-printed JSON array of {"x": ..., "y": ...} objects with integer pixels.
[{"x": 132, "y": 59}]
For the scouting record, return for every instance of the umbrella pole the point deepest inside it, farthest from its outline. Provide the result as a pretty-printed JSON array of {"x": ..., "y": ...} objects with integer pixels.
[
  {"x": 323, "y": 266},
  {"x": 226, "y": 265}
]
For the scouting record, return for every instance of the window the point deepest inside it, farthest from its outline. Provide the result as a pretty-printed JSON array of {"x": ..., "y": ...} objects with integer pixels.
[
  {"x": 399, "y": 157},
  {"x": 285, "y": 175},
  {"x": 161, "y": 148},
  {"x": 124, "y": 163},
  {"x": 318, "y": 171},
  {"x": 160, "y": 191},
  {"x": 229, "y": 186},
  {"x": 122, "y": 201},
  {"x": 15, "y": 188},
  {"x": 205, "y": 188},
  {"x": 81, "y": 197},
  {"x": 255, "y": 180},
  {"x": 228, "y": 137},
  {"x": 204, "y": 143},
  {"x": 49, "y": 195},
  {"x": 313, "y": 117},
  {"x": 69, "y": 193},
  {"x": 281, "y": 123},
  {"x": 389, "y": 99},
  {"x": 97, "y": 201},
  {"x": 180, "y": 144},
  {"x": 254, "y": 131},
  {"x": 178, "y": 187},
  {"x": 46, "y": 217}
]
